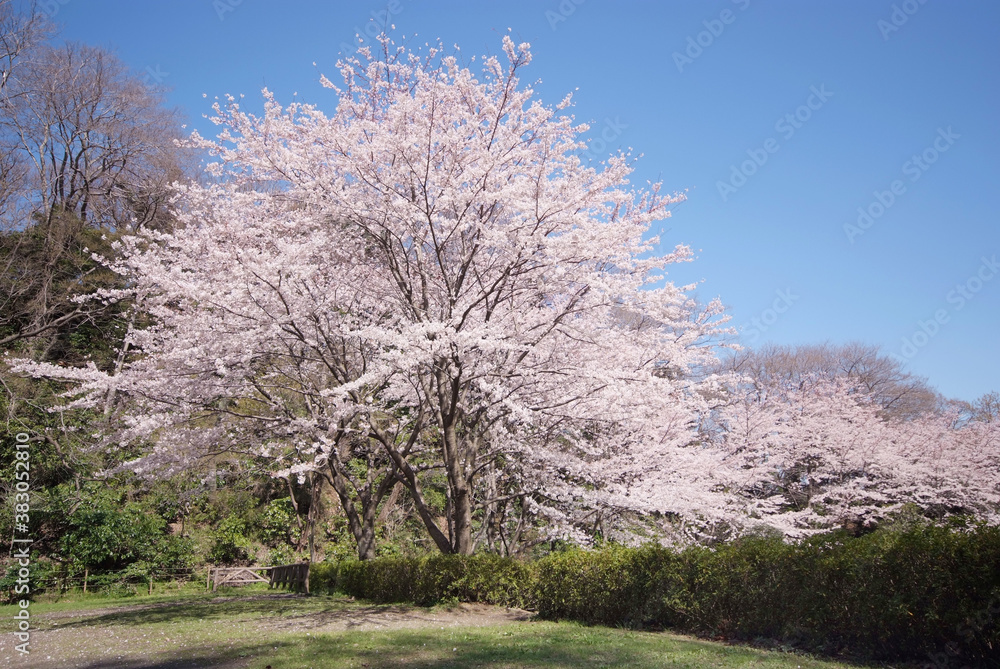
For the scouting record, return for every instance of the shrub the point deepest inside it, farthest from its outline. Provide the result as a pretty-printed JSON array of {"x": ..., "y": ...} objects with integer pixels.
[
  {"x": 489, "y": 579},
  {"x": 276, "y": 523},
  {"x": 103, "y": 536},
  {"x": 381, "y": 580},
  {"x": 323, "y": 577},
  {"x": 429, "y": 580},
  {"x": 230, "y": 543},
  {"x": 281, "y": 555},
  {"x": 595, "y": 587},
  {"x": 888, "y": 595},
  {"x": 12, "y": 584}
]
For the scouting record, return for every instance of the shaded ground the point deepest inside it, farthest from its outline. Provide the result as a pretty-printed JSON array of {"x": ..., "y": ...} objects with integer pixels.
[
  {"x": 267, "y": 630},
  {"x": 221, "y": 632}
]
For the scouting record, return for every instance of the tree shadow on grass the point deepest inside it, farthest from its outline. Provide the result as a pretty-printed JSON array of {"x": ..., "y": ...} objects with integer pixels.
[
  {"x": 522, "y": 646},
  {"x": 417, "y": 650},
  {"x": 200, "y": 661},
  {"x": 198, "y": 658},
  {"x": 294, "y": 612}
]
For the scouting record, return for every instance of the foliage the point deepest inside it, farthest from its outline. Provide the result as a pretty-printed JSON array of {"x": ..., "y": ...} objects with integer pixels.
[
  {"x": 230, "y": 542},
  {"x": 323, "y": 577},
  {"x": 281, "y": 555},
  {"x": 635, "y": 582},
  {"x": 103, "y": 536},
  {"x": 432, "y": 579},
  {"x": 12, "y": 583},
  {"x": 275, "y": 524},
  {"x": 885, "y": 595}
]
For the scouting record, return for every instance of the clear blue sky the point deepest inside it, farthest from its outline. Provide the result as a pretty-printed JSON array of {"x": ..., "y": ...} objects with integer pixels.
[{"x": 923, "y": 82}]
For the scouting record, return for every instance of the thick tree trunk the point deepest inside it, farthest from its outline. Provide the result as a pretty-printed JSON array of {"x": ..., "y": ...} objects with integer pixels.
[
  {"x": 361, "y": 525},
  {"x": 366, "y": 542},
  {"x": 456, "y": 458},
  {"x": 460, "y": 520},
  {"x": 408, "y": 477}
]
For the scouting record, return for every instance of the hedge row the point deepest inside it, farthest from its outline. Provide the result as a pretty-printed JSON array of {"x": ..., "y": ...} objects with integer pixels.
[
  {"x": 489, "y": 579},
  {"x": 929, "y": 594}
]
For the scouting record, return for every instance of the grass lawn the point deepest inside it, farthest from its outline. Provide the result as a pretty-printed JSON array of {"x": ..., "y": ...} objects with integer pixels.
[
  {"x": 534, "y": 644},
  {"x": 253, "y": 629}
]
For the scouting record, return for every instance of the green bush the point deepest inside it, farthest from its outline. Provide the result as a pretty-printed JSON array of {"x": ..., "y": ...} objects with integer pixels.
[
  {"x": 275, "y": 524},
  {"x": 886, "y": 595},
  {"x": 102, "y": 536},
  {"x": 12, "y": 584},
  {"x": 889, "y": 595},
  {"x": 437, "y": 578},
  {"x": 281, "y": 555},
  {"x": 486, "y": 578},
  {"x": 323, "y": 578},
  {"x": 382, "y": 580},
  {"x": 230, "y": 543}
]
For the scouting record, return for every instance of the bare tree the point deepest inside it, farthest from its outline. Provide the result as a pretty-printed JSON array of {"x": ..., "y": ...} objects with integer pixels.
[
  {"x": 898, "y": 393},
  {"x": 984, "y": 409},
  {"x": 89, "y": 151},
  {"x": 97, "y": 140},
  {"x": 20, "y": 33}
]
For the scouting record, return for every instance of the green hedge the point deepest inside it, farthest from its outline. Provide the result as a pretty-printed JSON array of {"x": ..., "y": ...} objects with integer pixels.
[
  {"x": 428, "y": 580},
  {"x": 930, "y": 595},
  {"x": 911, "y": 595}
]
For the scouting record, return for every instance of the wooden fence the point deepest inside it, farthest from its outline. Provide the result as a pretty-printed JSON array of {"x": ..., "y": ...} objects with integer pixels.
[{"x": 292, "y": 576}]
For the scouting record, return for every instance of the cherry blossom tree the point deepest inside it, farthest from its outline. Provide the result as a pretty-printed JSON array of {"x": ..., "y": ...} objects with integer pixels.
[
  {"x": 818, "y": 453},
  {"x": 429, "y": 279}
]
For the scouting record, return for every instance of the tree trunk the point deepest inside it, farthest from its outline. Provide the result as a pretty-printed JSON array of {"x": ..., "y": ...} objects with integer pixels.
[
  {"x": 362, "y": 525},
  {"x": 461, "y": 500},
  {"x": 408, "y": 477},
  {"x": 462, "y": 510},
  {"x": 315, "y": 489}
]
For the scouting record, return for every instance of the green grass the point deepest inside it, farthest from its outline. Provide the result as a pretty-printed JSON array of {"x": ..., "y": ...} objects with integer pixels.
[
  {"x": 287, "y": 632},
  {"x": 162, "y": 594},
  {"x": 532, "y": 644}
]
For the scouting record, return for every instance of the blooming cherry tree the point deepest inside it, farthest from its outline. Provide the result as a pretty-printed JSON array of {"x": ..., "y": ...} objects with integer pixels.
[
  {"x": 819, "y": 453},
  {"x": 429, "y": 278}
]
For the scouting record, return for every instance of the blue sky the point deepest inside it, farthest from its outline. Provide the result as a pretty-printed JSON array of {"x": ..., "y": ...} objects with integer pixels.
[{"x": 780, "y": 120}]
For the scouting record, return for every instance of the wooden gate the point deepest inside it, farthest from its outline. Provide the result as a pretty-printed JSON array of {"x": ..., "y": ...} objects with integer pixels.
[
  {"x": 236, "y": 576},
  {"x": 294, "y": 576}
]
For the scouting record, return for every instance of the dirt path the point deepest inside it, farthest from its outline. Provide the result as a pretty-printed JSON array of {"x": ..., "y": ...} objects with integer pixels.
[{"x": 208, "y": 633}]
